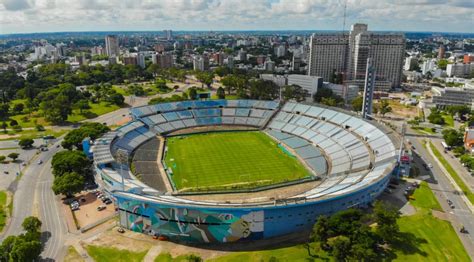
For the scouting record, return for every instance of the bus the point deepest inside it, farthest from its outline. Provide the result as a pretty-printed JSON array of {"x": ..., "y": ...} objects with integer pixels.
[{"x": 445, "y": 146}]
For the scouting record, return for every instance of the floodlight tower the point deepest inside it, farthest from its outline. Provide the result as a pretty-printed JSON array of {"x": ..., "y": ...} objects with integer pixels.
[{"x": 369, "y": 86}]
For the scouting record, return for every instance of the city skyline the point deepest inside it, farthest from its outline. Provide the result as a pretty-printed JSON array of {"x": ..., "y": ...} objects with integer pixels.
[{"x": 26, "y": 16}]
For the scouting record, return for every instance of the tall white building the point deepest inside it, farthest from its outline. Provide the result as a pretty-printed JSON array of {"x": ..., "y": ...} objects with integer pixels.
[
  {"x": 168, "y": 34},
  {"x": 141, "y": 60},
  {"x": 164, "y": 60},
  {"x": 428, "y": 66},
  {"x": 348, "y": 54},
  {"x": 112, "y": 45},
  {"x": 201, "y": 63},
  {"x": 269, "y": 65},
  {"x": 410, "y": 62},
  {"x": 459, "y": 69},
  {"x": 280, "y": 51}
]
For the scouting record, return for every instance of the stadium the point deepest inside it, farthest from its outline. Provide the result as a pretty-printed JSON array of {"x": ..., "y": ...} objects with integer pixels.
[{"x": 233, "y": 170}]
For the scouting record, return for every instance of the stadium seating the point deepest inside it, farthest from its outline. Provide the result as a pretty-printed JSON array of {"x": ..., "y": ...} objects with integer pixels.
[{"x": 166, "y": 117}]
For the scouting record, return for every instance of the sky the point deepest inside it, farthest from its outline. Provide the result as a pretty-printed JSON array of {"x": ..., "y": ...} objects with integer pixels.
[{"x": 30, "y": 16}]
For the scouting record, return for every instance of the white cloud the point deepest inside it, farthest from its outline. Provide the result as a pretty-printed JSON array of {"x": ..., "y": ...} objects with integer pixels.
[{"x": 72, "y": 15}]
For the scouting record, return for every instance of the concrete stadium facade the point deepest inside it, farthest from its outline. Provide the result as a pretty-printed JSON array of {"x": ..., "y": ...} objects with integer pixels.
[{"x": 355, "y": 165}]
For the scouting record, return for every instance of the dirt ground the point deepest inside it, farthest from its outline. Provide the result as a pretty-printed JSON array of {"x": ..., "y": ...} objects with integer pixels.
[{"x": 88, "y": 213}]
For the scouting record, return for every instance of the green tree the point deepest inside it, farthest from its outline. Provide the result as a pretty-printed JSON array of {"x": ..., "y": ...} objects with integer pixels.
[
  {"x": 386, "y": 218},
  {"x": 26, "y": 143},
  {"x": 384, "y": 107},
  {"x": 82, "y": 104},
  {"x": 2, "y": 159},
  {"x": 220, "y": 93},
  {"x": 13, "y": 123},
  {"x": 452, "y": 137},
  {"x": 329, "y": 101},
  {"x": 71, "y": 161},
  {"x": 295, "y": 92},
  {"x": 193, "y": 93},
  {"x": 18, "y": 108},
  {"x": 340, "y": 247},
  {"x": 68, "y": 184},
  {"x": 25, "y": 251},
  {"x": 31, "y": 224},
  {"x": 13, "y": 156},
  {"x": 74, "y": 138},
  {"x": 357, "y": 103},
  {"x": 320, "y": 232},
  {"x": 442, "y": 64}
]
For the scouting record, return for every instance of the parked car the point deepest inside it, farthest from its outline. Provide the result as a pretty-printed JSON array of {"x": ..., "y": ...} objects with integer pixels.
[
  {"x": 100, "y": 208},
  {"x": 120, "y": 230},
  {"x": 40, "y": 162},
  {"x": 108, "y": 202}
]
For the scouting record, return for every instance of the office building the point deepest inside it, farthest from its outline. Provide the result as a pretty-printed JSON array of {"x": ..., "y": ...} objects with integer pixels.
[
  {"x": 242, "y": 55},
  {"x": 348, "y": 53},
  {"x": 159, "y": 48},
  {"x": 269, "y": 65},
  {"x": 441, "y": 52},
  {"x": 141, "y": 60},
  {"x": 468, "y": 58},
  {"x": 112, "y": 45},
  {"x": 201, "y": 63},
  {"x": 162, "y": 60},
  {"x": 296, "y": 63},
  {"x": 308, "y": 83},
  {"x": 410, "y": 63},
  {"x": 130, "y": 59},
  {"x": 280, "y": 51},
  {"x": 428, "y": 66},
  {"x": 218, "y": 58},
  {"x": 230, "y": 62},
  {"x": 168, "y": 34},
  {"x": 459, "y": 70},
  {"x": 448, "y": 96},
  {"x": 261, "y": 59}
]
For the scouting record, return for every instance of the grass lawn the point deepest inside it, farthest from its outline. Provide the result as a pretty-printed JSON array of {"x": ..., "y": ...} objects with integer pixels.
[
  {"x": 424, "y": 198},
  {"x": 423, "y": 130},
  {"x": 453, "y": 173},
  {"x": 448, "y": 119},
  {"x": 3, "y": 209},
  {"x": 228, "y": 97},
  {"x": 166, "y": 257},
  {"x": 32, "y": 134},
  {"x": 105, "y": 254},
  {"x": 72, "y": 255},
  {"x": 229, "y": 160},
  {"x": 95, "y": 111}
]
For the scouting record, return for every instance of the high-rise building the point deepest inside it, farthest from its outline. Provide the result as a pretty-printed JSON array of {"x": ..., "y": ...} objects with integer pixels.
[
  {"x": 230, "y": 62},
  {"x": 130, "y": 59},
  {"x": 242, "y": 55},
  {"x": 141, "y": 60},
  {"x": 280, "y": 51},
  {"x": 296, "y": 63},
  {"x": 218, "y": 58},
  {"x": 332, "y": 53},
  {"x": 459, "y": 69},
  {"x": 112, "y": 45},
  {"x": 201, "y": 63},
  {"x": 164, "y": 60},
  {"x": 269, "y": 65},
  {"x": 410, "y": 63},
  {"x": 168, "y": 34},
  {"x": 441, "y": 52}
]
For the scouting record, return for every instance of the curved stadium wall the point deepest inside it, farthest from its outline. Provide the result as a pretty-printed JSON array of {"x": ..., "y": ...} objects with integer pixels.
[{"x": 355, "y": 166}]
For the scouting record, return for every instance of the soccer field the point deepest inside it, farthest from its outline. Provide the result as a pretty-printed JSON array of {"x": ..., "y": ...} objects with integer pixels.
[{"x": 229, "y": 160}]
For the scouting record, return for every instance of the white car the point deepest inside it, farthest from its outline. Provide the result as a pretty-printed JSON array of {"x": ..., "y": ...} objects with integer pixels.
[
  {"x": 40, "y": 162},
  {"x": 430, "y": 165}
]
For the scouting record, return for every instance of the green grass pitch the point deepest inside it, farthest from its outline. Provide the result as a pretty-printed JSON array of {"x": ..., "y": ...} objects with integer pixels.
[{"x": 229, "y": 160}]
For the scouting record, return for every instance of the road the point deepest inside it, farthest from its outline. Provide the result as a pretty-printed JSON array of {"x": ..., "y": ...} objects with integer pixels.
[{"x": 443, "y": 189}]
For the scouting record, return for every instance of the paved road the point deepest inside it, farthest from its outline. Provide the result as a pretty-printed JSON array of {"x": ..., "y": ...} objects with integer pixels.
[
  {"x": 443, "y": 189},
  {"x": 54, "y": 225}
]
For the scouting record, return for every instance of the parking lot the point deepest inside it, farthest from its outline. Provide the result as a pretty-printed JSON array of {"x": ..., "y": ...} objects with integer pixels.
[{"x": 91, "y": 209}]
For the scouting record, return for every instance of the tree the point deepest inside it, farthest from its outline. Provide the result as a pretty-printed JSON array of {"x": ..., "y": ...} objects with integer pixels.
[
  {"x": 384, "y": 107},
  {"x": 329, "y": 101},
  {"x": 435, "y": 117},
  {"x": 26, "y": 143},
  {"x": 13, "y": 123},
  {"x": 71, "y": 161},
  {"x": 386, "y": 218},
  {"x": 116, "y": 99},
  {"x": 442, "y": 64},
  {"x": 18, "y": 108},
  {"x": 25, "y": 251},
  {"x": 452, "y": 137},
  {"x": 193, "y": 93},
  {"x": 220, "y": 93},
  {"x": 322, "y": 92},
  {"x": 320, "y": 232},
  {"x": 13, "y": 156},
  {"x": 357, "y": 103},
  {"x": 74, "y": 138},
  {"x": 82, "y": 104},
  {"x": 31, "y": 224},
  {"x": 2, "y": 159},
  {"x": 295, "y": 92},
  {"x": 68, "y": 184},
  {"x": 340, "y": 247}
]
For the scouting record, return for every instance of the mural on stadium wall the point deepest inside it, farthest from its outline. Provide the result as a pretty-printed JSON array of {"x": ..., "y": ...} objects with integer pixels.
[{"x": 193, "y": 225}]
